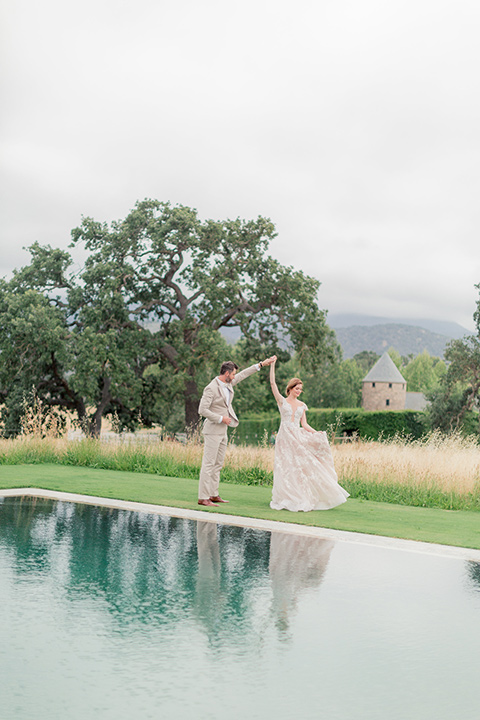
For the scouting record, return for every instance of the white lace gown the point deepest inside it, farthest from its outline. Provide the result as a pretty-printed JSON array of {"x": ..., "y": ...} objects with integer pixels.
[{"x": 304, "y": 476}]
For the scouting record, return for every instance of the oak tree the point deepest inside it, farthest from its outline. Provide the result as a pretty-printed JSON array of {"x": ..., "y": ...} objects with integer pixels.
[{"x": 156, "y": 289}]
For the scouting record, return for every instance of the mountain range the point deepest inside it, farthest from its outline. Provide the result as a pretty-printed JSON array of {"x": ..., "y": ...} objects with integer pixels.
[
  {"x": 407, "y": 335},
  {"x": 442, "y": 327}
]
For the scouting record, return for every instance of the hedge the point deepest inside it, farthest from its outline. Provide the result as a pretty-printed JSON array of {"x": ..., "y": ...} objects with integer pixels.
[{"x": 255, "y": 429}]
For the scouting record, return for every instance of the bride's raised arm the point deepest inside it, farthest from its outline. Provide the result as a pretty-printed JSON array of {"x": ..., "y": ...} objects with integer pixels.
[{"x": 279, "y": 398}]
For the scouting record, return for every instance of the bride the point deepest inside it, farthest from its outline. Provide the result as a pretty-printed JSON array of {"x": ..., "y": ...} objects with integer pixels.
[{"x": 304, "y": 476}]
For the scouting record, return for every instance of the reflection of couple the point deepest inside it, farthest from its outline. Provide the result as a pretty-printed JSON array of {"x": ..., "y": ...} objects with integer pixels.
[
  {"x": 297, "y": 564},
  {"x": 209, "y": 600},
  {"x": 304, "y": 476}
]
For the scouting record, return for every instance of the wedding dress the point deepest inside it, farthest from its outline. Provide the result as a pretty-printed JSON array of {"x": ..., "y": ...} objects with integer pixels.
[{"x": 304, "y": 476}]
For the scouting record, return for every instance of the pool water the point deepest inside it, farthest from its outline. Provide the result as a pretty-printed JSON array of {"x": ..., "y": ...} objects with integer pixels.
[{"x": 111, "y": 614}]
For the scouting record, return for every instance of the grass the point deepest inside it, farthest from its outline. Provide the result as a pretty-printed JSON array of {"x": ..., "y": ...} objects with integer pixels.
[
  {"x": 460, "y": 528},
  {"x": 437, "y": 472}
]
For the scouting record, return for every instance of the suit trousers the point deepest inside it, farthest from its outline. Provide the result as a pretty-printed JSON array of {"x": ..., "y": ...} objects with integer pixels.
[{"x": 214, "y": 448}]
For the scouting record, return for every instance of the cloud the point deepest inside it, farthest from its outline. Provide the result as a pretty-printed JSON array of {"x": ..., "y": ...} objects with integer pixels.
[{"x": 352, "y": 125}]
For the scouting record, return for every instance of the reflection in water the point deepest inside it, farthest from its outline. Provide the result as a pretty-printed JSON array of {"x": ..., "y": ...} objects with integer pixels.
[
  {"x": 112, "y": 614},
  {"x": 473, "y": 569},
  {"x": 209, "y": 600},
  {"x": 297, "y": 564},
  {"x": 147, "y": 568},
  {"x": 125, "y": 559},
  {"x": 151, "y": 568}
]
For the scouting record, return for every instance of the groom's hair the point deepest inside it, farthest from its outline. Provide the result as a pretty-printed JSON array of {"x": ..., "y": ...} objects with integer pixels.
[{"x": 228, "y": 366}]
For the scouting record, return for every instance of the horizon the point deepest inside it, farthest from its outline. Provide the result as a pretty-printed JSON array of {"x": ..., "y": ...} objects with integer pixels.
[{"x": 344, "y": 320}]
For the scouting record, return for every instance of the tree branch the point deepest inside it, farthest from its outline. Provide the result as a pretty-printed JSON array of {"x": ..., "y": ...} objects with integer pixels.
[{"x": 169, "y": 352}]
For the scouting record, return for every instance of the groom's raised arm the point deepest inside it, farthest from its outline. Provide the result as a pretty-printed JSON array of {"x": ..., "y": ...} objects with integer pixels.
[{"x": 251, "y": 370}]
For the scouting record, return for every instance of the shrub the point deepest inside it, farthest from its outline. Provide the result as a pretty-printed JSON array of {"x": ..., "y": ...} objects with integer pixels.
[{"x": 371, "y": 425}]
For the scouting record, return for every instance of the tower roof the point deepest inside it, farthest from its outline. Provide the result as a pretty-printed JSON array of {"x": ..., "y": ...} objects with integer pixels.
[{"x": 384, "y": 370}]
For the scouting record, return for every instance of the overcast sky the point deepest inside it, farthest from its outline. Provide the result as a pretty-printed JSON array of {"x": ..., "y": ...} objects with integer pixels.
[{"x": 352, "y": 124}]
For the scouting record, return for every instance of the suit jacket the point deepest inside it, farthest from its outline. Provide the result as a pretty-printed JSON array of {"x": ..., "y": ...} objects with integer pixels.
[{"x": 213, "y": 404}]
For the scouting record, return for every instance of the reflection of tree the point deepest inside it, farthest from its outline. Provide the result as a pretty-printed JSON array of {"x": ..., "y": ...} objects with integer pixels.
[
  {"x": 144, "y": 567},
  {"x": 25, "y": 524},
  {"x": 141, "y": 565},
  {"x": 158, "y": 569},
  {"x": 297, "y": 563},
  {"x": 473, "y": 570}
]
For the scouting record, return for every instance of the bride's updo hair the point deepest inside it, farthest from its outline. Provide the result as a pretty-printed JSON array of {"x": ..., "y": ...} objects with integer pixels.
[{"x": 292, "y": 383}]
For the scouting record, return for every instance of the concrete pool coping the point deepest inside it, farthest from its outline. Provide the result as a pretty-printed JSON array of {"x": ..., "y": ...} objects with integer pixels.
[{"x": 254, "y": 523}]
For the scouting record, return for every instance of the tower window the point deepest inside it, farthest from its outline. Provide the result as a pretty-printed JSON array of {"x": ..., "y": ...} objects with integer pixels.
[
  {"x": 389, "y": 385},
  {"x": 387, "y": 402},
  {"x": 373, "y": 384}
]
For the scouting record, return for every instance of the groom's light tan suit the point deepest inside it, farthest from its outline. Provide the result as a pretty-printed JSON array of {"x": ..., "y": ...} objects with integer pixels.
[{"x": 213, "y": 406}]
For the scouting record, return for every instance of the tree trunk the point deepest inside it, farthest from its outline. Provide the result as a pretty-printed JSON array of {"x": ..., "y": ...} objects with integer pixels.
[
  {"x": 92, "y": 426},
  {"x": 190, "y": 394},
  {"x": 467, "y": 406},
  {"x": 83, "y": 417},
  {"x": 96, "y": 424}
]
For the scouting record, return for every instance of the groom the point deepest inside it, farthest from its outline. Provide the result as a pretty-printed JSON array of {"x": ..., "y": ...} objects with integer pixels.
[{"x": 216, "y": 407}]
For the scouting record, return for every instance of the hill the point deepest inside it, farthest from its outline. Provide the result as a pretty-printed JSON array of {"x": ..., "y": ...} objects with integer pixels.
[
  {"x": 406, "y": 339},
  {"x": 409, "y": 336},
  {"x": 440, "y": 327}
]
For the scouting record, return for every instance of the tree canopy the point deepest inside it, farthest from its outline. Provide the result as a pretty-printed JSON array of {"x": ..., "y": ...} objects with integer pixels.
[
  {"x": 154, "y": 292},
  {"x": 452, "y": 402},
  {"x": 423, "y": 373},
  {"x": 459, "y": 391}
]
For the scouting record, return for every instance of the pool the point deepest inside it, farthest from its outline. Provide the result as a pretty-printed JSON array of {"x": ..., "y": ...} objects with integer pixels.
[{"x": 113, "y": 614}]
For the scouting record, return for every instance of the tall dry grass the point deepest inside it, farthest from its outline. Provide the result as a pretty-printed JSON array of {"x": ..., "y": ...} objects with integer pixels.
[
  {"x": 248, "y": 465},
  {"x": 451, "y": 463}
]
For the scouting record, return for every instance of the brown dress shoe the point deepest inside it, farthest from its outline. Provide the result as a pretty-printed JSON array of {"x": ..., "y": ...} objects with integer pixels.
[
  {"x": 206, "y": 502},
  {"x": 217, "y": 499}
]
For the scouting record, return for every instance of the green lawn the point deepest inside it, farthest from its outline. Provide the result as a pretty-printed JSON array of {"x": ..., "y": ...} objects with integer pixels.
[{"x": 448, "y": 527}]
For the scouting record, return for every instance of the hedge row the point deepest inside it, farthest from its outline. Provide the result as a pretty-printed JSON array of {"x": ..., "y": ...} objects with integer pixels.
[{"x": 255, "y": 429}]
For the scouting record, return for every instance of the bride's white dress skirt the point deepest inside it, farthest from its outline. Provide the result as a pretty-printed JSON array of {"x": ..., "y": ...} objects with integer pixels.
[{"x": 304, "y": 476}]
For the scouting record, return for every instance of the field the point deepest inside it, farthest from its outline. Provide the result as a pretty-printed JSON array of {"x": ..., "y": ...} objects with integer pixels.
[{"x": 438, "y": 471}]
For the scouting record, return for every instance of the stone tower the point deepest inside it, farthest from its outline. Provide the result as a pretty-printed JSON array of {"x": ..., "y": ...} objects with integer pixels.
[{"x": 384, "y": 387}]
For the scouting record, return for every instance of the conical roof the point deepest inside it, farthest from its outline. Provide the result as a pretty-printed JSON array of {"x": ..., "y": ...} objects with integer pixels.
[{"x": 384, "y": 370}]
